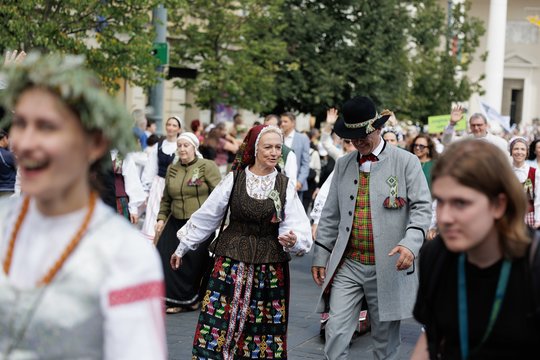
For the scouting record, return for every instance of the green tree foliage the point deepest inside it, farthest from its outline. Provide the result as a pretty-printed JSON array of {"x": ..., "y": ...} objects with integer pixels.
[
  {"x": 437, "y": 74},
  {"x": 115, "y": 36},
  {"x": 380, "y": 60},
  {"x": 234, "y": 45},
  {"x": 315, "y": 73},
  {"x": 388, "y": 49},
  {"x": 337, "y": 49}
]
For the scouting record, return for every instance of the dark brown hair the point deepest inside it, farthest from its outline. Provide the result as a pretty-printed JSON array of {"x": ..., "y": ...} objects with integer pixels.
[
  {"x": 290, "y": 115},
  {"x": 433, "y": 154}
]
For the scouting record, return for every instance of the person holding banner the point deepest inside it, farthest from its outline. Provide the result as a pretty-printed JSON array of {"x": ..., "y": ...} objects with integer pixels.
[{"x": 478, "y": 125}]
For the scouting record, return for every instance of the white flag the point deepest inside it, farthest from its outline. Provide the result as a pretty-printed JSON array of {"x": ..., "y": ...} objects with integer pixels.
[{"x": 492, "y": 115}]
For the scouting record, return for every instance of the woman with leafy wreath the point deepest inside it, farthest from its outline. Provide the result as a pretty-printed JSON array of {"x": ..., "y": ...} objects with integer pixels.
[{"x": 78, "y": 280}]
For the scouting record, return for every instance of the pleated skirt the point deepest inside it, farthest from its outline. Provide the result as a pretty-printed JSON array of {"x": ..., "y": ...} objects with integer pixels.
[{"x": 183, "y": 285}]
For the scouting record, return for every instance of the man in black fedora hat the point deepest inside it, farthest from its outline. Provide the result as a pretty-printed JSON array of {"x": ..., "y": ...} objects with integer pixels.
[{"x": 371, "y": 229}]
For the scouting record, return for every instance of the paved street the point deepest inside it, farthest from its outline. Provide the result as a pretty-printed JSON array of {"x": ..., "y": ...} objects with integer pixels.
[{"x": 304, "y": 341}]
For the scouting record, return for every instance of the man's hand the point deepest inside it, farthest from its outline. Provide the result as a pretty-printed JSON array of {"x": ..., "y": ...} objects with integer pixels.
[
  {"x": 331, "y": 116},
  {"x": 406, "y": 257},
  {"x": 319, "y": 274},
  {"x": 176, "y": 261},
  {"x": 298, "y": 186},
  {"x": 456, "y": 115}
]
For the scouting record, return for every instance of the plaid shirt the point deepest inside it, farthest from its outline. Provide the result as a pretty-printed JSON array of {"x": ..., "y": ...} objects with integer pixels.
[{"x": 360, "y": 247}]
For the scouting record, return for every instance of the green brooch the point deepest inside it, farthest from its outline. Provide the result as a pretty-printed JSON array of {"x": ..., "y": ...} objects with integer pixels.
[
  {"x": 393, "y": 201},
  {"x": 278, "y": 216},
  {"x": 195, "y": 178}
]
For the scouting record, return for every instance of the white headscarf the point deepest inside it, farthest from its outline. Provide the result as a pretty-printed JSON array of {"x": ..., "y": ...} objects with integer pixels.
[
  {"x": 193, "y": 140},
  {"x": 267, "y": 129}
]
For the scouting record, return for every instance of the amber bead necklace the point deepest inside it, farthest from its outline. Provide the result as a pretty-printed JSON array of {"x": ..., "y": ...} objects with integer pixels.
[{"x": 51, "y": 273}]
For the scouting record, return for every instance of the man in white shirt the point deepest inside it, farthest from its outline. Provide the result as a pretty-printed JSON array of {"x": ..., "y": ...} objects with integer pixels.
[
  {"x": 290, "y": 167},
  {"x": 479, "y": 129}
]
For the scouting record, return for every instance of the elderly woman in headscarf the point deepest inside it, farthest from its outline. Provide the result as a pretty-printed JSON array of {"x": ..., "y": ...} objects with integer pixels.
[
  {"x": 188, "y": 182},
  {"x": 245, "y": 309}
]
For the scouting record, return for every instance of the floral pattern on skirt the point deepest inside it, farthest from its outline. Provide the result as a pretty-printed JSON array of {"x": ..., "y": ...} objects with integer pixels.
[{"x": 244, "y": 312}]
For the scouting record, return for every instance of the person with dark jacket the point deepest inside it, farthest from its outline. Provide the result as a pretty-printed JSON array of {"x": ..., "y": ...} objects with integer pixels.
[{"x": 475, "y": 298}]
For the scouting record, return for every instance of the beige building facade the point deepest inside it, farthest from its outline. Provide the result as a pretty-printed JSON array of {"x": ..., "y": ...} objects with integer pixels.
[{"x": 512, "y": 67}]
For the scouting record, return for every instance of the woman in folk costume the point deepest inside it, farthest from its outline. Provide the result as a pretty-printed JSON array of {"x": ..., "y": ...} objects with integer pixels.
[
  {"x": 78, "y": 281},
  {"x": 245, "y": 309},
  {"x": 130, "y": 194},
  {"x": 529, "y": 177},
  {"x": 188, "y": 183},
  {"x": 153, "y": 177}
]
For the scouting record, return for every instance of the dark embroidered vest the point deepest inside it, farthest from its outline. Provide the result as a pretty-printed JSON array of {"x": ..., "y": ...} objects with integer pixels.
[
  {"x": 164, "y": 160},
  {"x": 251, "y": 237}
]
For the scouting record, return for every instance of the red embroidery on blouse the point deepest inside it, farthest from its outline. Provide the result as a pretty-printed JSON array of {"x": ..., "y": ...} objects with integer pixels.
[{"x": 153, "y": 289}]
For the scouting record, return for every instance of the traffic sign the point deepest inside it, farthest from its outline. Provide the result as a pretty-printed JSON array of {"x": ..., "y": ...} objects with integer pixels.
[{"x": 161, "y": 52}]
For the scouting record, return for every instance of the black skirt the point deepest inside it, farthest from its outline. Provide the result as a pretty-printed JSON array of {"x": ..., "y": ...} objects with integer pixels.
[{"x": 182, "y": 285}]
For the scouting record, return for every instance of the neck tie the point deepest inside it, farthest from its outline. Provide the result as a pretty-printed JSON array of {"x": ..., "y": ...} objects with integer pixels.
[{"x": 368, "y": 157}]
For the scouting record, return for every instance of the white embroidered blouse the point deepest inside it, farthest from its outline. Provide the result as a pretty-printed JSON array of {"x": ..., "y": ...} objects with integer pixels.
[
  {"x": 134, "y": 329},
  {"x": 208, "y": 218}
]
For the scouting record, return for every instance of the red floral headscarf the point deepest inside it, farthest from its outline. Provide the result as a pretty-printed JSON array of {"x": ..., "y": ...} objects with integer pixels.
[{"x": 245, "y": 156}]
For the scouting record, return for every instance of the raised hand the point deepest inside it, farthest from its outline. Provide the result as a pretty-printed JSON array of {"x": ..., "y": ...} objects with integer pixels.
[
  {"x": 456, "y": 114},
  {"x": 14, "y": 57},
  {"x": 331, "y": 116}
]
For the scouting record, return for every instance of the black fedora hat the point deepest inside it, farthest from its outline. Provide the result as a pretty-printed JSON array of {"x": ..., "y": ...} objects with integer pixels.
[{"x": 359, "y": 118}]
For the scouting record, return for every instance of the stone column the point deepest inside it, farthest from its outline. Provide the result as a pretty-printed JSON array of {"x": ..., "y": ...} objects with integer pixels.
[{"x": 496, "y": 41}]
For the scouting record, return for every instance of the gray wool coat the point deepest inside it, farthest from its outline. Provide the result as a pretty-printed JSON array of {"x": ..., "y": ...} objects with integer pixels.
[{"x": 405, "y": 226}]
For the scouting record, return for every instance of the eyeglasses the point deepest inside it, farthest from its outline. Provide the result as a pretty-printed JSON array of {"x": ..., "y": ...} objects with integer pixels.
[{"x": 419, "y": 146}]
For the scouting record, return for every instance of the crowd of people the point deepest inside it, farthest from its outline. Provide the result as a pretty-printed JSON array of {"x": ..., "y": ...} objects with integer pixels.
[{"x": 401, "y": 222}]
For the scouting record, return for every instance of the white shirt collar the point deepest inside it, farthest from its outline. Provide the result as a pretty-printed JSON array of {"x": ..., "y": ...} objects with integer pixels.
[
  {"x": 291, "y": 134},
  {"x": 377, "y": 151}
]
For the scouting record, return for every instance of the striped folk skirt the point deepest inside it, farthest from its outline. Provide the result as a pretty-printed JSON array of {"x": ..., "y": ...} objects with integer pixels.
[
  {"x": 122, "y": 206},
  {"x": 244, "y": 312}
]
